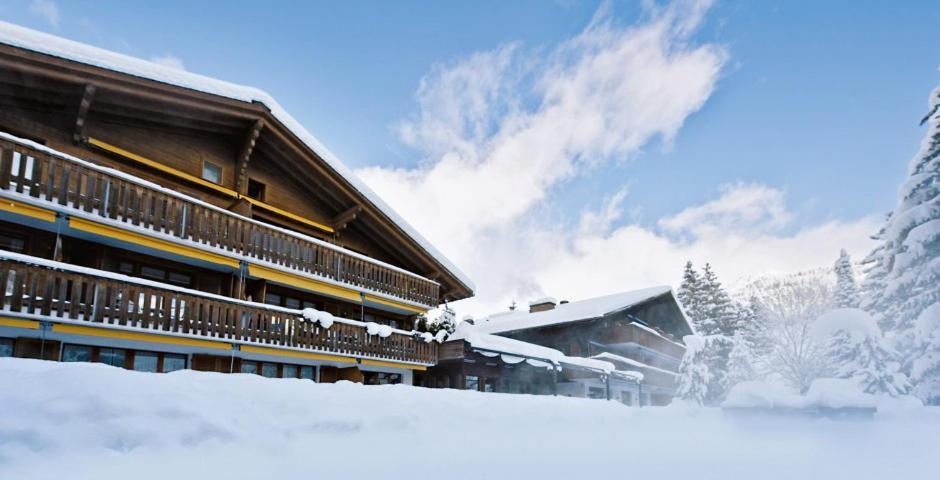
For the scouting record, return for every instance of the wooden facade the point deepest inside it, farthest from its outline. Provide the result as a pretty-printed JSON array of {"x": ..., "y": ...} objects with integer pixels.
[{"x": 221, "y": 221}]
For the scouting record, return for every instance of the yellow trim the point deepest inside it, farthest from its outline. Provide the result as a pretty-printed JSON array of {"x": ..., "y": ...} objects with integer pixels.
[
  {"x": 19, "y": 323},
  {"x": 27, "y": 210},
  {"x": 146, "y": 241},
  {"x": 379, "y": 363},
  {"x": 394, "y": 304},
  {"x": 285, "y": 213},
  {"x": 140, "y": 337},
  {"x": 296, "y": 354},
  {"x": 301, "y": 282},
  {"x": 161, "y": 167},
  {"x": 203, "y": 182}
]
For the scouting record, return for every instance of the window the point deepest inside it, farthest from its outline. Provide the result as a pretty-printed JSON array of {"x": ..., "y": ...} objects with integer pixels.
[
  {"x": 182, "y": 279},
  {"x": 269, "y": 370},
  {"x": 173, "y": 362},
  {"x": 249, "y": 367},
  {"x": 152, "y": 273},
  {"x": 76, "y": 353},
  {"x": 306, "y": 373},
  {"x": 472, "y": 382},
  {"x": 292, "y": 303},
  {"x": 489, "y": 385},
  {"x": 626, "y": 398},
  {"x": 597, "y": 392},
  {"x": 380, "y": 378},
  {"x": 145, "y": 361},
  {"x": 290, "y": 371},
  {"x": 211, "y": 172},
  {"x": 272, "y": 299},
  {"x": 11, "y": 243},
  {"x": 255, "y": 189},
  {"x": 111, "y": 356},
  {"x": 6, "y": 347}
]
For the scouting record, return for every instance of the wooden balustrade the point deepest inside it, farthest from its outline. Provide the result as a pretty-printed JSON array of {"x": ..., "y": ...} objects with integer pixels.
[
  {"x": 109, "y": 194},
  {"x": 52, "y": 293}
]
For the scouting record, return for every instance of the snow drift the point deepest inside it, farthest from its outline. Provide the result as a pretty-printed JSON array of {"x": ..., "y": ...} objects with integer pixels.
[{"x": 93, "y": 421}]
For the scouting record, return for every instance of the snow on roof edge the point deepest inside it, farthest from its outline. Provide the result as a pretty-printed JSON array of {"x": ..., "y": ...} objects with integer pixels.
[{"x": 48, "y": 44}]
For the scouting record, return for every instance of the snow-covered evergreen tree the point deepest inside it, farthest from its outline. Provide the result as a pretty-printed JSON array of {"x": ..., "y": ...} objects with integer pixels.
[
  {"x": 719, "y": 312},
  {"x": 846, "y": 292},
  {"x": 740, "y": 363},
  {"x": 857, "y": 351},
  {"x": 904, "y": 270},
  {"x": 690, "y": 294},
  {"x": 694, "y": 375}
]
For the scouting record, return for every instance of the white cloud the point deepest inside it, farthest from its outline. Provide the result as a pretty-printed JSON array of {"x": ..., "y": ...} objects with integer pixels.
[
  {"x": 46, "y": 9},
  {"x": 501, "y": 130},
  {"x": 168, "y": 61}
]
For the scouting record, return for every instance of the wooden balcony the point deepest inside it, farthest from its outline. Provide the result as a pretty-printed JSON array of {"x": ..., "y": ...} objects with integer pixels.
[
  {"x": 75, "y": 187},
  {"x": 64, "y": 294}
]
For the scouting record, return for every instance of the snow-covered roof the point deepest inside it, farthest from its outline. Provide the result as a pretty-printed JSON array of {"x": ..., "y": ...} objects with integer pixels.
[
  {"x": 494, "y": 343},
  {"x": 20, "y": 37},
  {"x": 570, "y": 312},
  {"x": 629, "y": 361}
]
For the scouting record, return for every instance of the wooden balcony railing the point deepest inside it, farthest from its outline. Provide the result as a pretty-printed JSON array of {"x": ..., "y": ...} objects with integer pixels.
[
  {"x": 71, "y": 183},
  {"x": 54, "y": 291}
]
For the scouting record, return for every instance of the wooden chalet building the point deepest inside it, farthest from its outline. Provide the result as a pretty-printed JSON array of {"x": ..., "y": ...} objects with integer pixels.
[
  {"x": 157, "y": 219},
  {"x": 636, "y": 334}
]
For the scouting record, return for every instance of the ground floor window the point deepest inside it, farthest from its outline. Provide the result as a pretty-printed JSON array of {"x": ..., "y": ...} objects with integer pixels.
[
  {"x": 307, "y": 373},
  {"x": 269, "y": 370},
  {"x": 112, "y": 356},
  {"x": 596, "y": 392},
  {"x": 249, "y": 367},
  {"x": 380, "y": 378},
  {"x": 472, "y": 382},
  {"x": 146, "y": 361},
  {"x": 76, "y": 353},
  {"x": 173, "y": 362},
  {"x": 6, "y": 347},
  {"x": 489, "y": 385}
]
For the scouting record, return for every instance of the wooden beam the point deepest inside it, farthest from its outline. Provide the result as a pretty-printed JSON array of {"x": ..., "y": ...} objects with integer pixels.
[
  {"x": 78, "y": 134},
  {"x": 340, "y": 221},
  {"x": 241, "y": 181}
]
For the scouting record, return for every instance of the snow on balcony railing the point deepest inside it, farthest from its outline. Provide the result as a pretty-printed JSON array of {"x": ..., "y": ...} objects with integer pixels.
[
  {"x": 37, "y": 172},
  {"x": 43, "y": 289}
]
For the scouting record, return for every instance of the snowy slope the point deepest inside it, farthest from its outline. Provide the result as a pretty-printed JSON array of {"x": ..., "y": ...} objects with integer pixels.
[
  {"x": 92, "y": 421},
  {"x": 25, "y": 38}
]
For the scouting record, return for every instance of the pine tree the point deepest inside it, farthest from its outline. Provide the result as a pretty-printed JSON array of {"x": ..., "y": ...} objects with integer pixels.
[
  {"x": 864, "y": 358},
  {"x": 694, "y": 375},
  {"x": 740, "y": 363},
  {"x": 904, "y": 270},
  {"x": 846, "y": 292},
  {"x": 720, "y": 315},
  {"x": 690, "y": 294}
]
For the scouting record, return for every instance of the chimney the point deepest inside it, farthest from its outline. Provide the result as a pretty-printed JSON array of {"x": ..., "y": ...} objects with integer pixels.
[{"x": 542, "y": 304}]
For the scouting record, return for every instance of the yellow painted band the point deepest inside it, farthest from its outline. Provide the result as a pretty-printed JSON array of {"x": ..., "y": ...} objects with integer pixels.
[
  {"x": 203, "y": 182},
  {"x": 146, "y": 241},
  {"x": 141, "y": 337},
  {"x": 19, "y": 323},
  {"x": 301, "y": 282},
  {"x": 27, "y": 210},
  {"x": 392, "y": 303},
  {"x": 285, "y": 213},
  {"x": 379, "y": 363},
  {"x": 161, "y": 167},
  {"x": 293, "y": 353}
]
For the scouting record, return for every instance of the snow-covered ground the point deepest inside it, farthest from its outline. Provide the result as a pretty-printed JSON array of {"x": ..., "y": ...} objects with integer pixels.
[{"x": 91, "y": 421}]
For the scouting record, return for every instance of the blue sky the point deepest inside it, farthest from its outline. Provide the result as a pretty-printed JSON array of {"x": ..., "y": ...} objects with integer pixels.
[{"x": 817, "y": 103}]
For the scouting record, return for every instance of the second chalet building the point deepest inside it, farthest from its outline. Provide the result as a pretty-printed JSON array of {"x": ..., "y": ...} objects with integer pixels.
[
  {"x": 625, "y": 346},
  {"x": 156, "y": 219}
]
